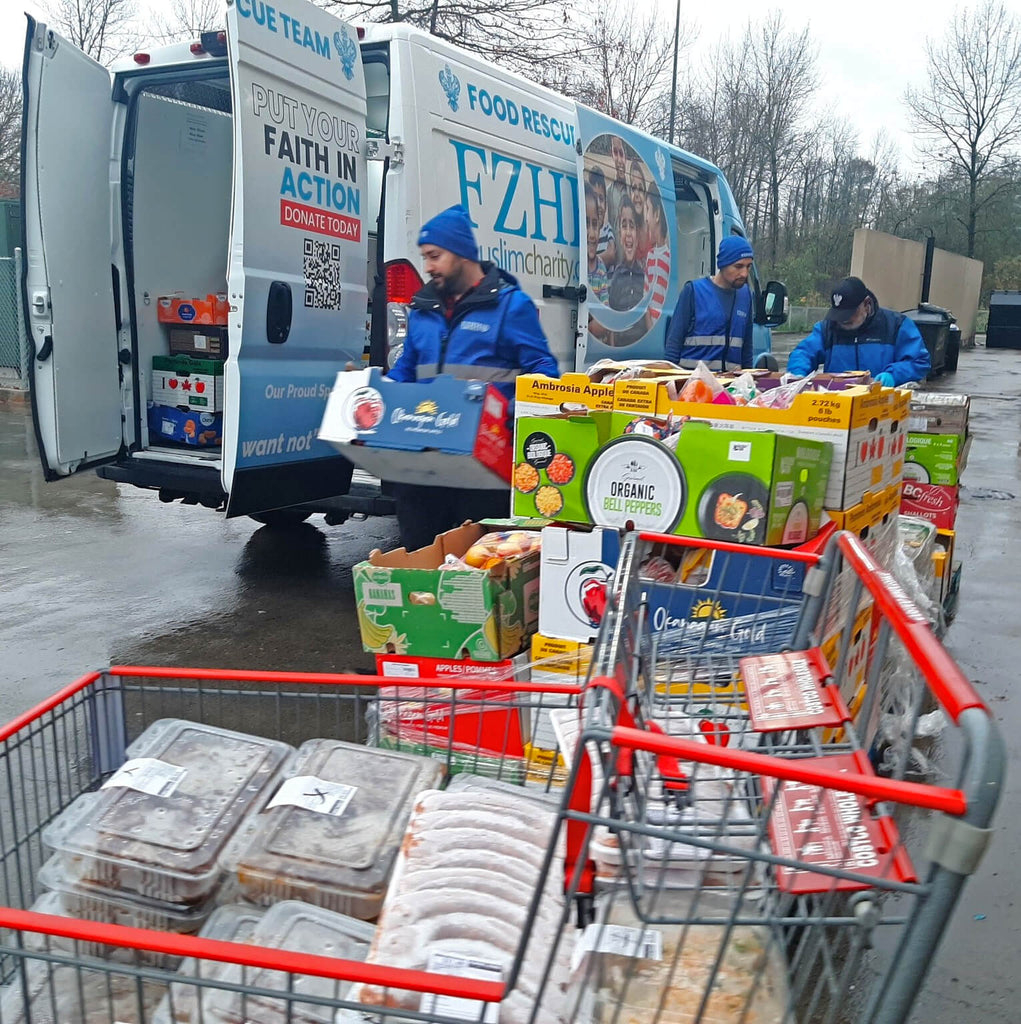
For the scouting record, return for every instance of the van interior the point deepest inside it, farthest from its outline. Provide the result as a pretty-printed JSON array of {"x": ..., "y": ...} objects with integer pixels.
[{"x": 175, "y": 211}]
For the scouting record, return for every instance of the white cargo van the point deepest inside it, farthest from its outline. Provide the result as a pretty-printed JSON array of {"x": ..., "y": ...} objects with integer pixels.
[{"x": 287, "y": 163}]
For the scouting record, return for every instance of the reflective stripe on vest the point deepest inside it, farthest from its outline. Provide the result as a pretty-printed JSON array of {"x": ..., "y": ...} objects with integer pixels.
[{"x": 470, "y": 371}]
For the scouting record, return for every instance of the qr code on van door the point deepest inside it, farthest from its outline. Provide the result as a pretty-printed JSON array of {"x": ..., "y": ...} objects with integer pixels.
[{"x": 322, "y": 274}]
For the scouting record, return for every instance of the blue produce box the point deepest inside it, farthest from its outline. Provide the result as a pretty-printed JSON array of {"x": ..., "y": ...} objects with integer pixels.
[
  {"x": 185, "y": 426},
  {"x": 690, "y": 588},
  {"x": 447, "y": 431}
]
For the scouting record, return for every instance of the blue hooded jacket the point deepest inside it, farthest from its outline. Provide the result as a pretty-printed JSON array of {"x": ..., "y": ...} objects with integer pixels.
[
  {"x": 887, "y": 342},
  {"x": 494, "y": 334}
]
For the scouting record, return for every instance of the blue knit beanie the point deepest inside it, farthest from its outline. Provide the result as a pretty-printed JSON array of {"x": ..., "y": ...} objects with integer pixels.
[
  {"x": 451, "y": 230},
  {"x": 732, "y": 249}
]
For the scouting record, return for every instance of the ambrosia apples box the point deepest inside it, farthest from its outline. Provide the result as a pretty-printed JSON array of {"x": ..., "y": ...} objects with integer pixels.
[{"x": 447, "y": 432}]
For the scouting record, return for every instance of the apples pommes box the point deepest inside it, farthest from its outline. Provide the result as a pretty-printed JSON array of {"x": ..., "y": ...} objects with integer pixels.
[{"x": 445, "y": 432}]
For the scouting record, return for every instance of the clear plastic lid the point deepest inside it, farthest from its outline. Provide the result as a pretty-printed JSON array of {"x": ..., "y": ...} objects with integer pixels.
[
  {"x": 301, "y": 928},
  {"x": 335, "y": 845},
  {"x": 233, "y": 922},
  {"x": 164, "y": 844}
]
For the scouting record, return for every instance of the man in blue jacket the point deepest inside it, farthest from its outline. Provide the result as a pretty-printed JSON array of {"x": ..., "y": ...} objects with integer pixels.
[
  {"x": 472, "y": 321},
  {"x": 859, "y": 334},
  {"x": 712, "y": 321}
]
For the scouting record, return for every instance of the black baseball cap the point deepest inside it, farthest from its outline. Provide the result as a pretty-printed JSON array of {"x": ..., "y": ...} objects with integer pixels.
[{"x": 846, "y": 297}]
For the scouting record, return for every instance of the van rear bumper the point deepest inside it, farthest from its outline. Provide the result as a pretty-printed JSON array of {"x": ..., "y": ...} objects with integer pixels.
[{"x": 201, "y": 483}]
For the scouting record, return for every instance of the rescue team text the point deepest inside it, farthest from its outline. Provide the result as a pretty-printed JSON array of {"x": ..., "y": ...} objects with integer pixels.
[{"x": 291, "y": 28}]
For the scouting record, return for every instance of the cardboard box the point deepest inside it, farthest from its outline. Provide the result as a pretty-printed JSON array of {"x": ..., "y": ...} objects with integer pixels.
[
  {"x": 686, "y": 583},
  {"x": 705, "y": 481},
  {"x": 184, "y": 426},
  {"x": 408, "y": 604},
  {"x": 935, "y": 458},
  {"x": 559, "y": 661},
  {"x": 195, "y": 384},
  {"x": 204, "y": 342},
  {"x": 178, "y": 309},
  {"x": 933, "y": 412},
  {"x": 447, "y": 432},
  {"x": 935, "y": 502},
  {"x": 467, "y": 719}
]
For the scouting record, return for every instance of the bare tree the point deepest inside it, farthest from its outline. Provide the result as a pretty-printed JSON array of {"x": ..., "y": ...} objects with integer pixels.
[
  {"x": 10, "y": 124},
  {"x": 520, "y": 34},
  {"x": 627, "y": 60},
  {"x": 102, "y": 28},
  {"x": 185, "y": 19},
  {"x": 968, "y": 114}
]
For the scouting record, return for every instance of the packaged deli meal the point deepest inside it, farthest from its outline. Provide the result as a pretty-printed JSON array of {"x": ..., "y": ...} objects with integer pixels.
[
  {"x": 158, "y": 825},
  {"x": 329, "y": 834}
]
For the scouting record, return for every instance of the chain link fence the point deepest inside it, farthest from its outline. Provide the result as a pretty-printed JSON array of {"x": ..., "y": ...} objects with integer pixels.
[{"x": 13, "y": 343}]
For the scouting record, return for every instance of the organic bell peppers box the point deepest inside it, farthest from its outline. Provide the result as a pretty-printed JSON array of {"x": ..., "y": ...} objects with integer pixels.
[
  {"x": 445, "y": 432},
  {"x": 935, "y": 502},
  {"x": 612, "y": 469},
  {"x": 935, "y": 458},
  {"x": 686, "y": 582},
  {"x": 176, "y": 309},
  {"x": 857, "y": 420},
  {"x": 408, "y": 603}
]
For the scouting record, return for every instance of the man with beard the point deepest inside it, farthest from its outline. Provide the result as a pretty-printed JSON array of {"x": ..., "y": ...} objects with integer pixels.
[
  {"x": 472, "y": 321},
  {"x": 859, "y": 334}
]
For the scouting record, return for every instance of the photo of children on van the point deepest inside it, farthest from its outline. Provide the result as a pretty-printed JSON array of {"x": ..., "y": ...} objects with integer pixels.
[{"x": 627, "y": 240}]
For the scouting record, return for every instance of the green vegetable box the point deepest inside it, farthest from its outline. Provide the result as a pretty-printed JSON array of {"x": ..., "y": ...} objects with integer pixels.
[
  {"x": 688, "y": 478},
  {"x": 410, "y": 603}
]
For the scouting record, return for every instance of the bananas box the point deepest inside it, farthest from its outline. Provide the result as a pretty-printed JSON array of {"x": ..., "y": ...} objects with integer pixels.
[{"x": 409, "y": 603}]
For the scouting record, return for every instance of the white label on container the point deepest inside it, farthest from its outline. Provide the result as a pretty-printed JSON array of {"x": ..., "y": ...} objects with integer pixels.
[
  {"x": 200, "y": 340},
  {"x": 147, "y": 775},
  {"x": 461, "y": 966},
  {"x": 784, "y": 493},
  {"x": 314, "y": 795},
  {"x": 400, "y": 670},
  {"x": 740, "y": 451},
  {"x": 619, "y": 940}
]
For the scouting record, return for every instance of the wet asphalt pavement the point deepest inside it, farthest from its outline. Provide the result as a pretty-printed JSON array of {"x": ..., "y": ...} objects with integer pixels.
[{"x": 94, "y": 573}]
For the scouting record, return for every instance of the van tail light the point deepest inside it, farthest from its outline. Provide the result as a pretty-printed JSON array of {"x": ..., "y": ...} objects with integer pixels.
[
  {"x": 402, "y": 282},
  {"x": 141, "y": 58},
  {"x": 197, "y": 49}
]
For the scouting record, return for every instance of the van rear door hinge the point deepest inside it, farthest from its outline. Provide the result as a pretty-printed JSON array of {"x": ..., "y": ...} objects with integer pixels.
[{"x": 377, "y": 149}]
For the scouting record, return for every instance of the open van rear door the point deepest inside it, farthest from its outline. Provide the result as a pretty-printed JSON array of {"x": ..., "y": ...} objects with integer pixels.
[
  {"x": 67, "y": 286},
  {"x": 297, "y": 277}
]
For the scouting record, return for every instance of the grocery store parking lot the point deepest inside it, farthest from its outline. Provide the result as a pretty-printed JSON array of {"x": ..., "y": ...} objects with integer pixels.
[{"x": 95, "y": 573}]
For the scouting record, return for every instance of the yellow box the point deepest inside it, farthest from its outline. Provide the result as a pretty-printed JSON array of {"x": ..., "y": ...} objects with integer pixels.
[
  {"x": 853, "y": 686},
  {"x": 554, "y": 659},
  {"x": 856, "y": 421},
  {"x": 573, "y": 389}
]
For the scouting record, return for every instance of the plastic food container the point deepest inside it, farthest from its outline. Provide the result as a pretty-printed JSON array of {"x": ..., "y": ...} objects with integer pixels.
[
  {"x": 91, "y": 903},
  {"x": 164, "y": 845},
  {"x": 54, "y": 994},
  {"x": 234, "y": 922},
  {"x": 301, "y": 928},
  {"x": 674, "y": 963},
  {"x": 340, "y": 860}
]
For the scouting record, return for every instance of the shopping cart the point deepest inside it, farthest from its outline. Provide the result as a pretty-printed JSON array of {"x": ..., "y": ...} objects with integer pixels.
[
  {"x": 760, "y": 836},
  {"x": 63, "y": 969}
]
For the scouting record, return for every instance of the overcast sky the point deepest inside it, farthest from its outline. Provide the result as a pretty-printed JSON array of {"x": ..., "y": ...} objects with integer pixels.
[{"x": 869, "y": 51}]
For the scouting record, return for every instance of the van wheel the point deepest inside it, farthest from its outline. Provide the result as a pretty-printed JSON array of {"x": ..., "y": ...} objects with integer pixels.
[{"x": 281, "y": 518}]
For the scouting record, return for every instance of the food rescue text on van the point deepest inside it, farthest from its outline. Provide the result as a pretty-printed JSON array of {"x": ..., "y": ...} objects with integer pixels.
[{"x": 212, "y": 231}]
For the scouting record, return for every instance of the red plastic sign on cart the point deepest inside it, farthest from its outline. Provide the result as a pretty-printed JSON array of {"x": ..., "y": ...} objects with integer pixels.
[
  {"x": 828, "y": 828},
  {"x": 788, "y": 691}
]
